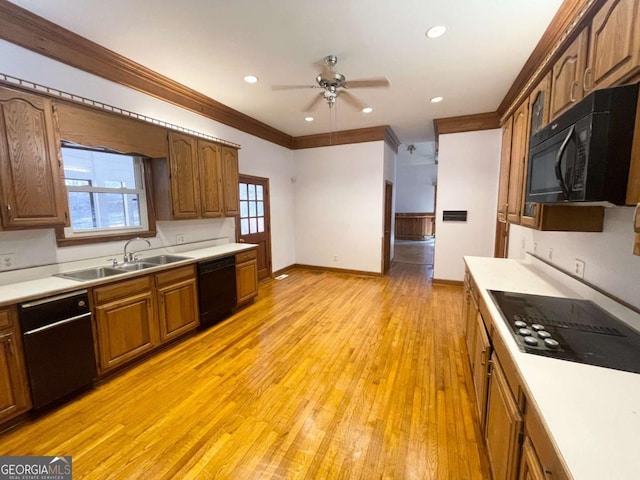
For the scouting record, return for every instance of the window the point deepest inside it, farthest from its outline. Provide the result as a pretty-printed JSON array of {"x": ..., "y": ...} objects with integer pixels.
[
  {"x": 251, "y": 208},
  {"x": 106, "y": 192}
]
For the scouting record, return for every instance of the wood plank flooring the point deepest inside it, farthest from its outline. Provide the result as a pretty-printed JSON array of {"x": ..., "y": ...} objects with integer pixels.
[{"x": 326, "y": 375}]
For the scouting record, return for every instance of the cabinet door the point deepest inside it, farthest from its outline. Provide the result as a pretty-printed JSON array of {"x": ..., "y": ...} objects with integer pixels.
[
  {"x": 519, "y": 145},
  {"x": 185, "y": 189},
  {"x": 505, "y": 163},
  {"x": 614, "y": 46},
  {"x": 503, "y": 427},
  {"x": 33, "y": 193},
  {"x": 481, "y": 354},
  {"x": 567, "y": 76},
  {"x": 14, "y": 389},
  {"x": 247, "y": 280},
  {"x": 211, "y": 200},
  {"x": 530, "y": 468},
  {"x": 177, "y": 308},
  {"x": 230, "y": 181},
  {"x": 471, "y": 327},
  {"x": 127, "y": 328}
]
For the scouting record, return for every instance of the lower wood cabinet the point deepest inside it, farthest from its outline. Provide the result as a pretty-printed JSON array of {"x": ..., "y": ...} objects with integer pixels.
[
  {"x": 246, "y": 276},
  {"x": 503, "y": 426},
  {"x": 126, "y": 321},
  {"x": 135, "y": 316},
  {"x": 530, "y": 468},
  {"x": 480, "y": 370},
  {"x": 177, "y": 295},
  {"x": 14, "y": 388}
]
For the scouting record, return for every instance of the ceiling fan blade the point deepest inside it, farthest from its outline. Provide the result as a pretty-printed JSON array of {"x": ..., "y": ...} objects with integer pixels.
[
  {"x": 351, "y": 99},
  {"x": 292, "y": 87},
  {"x": 314, "y": 103},
  {"x": 368, "y": 83}
]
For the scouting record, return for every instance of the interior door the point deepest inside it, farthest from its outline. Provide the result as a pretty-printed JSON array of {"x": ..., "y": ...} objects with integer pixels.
[
  {"x": 254, "y": 225},
  {"x": 386, "y": 254}
]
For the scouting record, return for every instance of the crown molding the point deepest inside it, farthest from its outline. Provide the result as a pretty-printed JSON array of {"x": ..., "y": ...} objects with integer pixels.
[
  {"x": 343, "y": 137},
  {"x": 23, "y": 28},
  {"x": 466, "y": 123}
]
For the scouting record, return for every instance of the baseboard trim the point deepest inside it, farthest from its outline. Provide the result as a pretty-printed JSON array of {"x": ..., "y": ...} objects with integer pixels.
[
  {"x": 283, "y": 270},
  {"x": 446, "y": 283},
  {"x": 337, "y": 270}
]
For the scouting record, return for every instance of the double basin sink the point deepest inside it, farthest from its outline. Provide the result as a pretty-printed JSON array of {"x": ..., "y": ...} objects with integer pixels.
[{"x": 95, "y": 273}]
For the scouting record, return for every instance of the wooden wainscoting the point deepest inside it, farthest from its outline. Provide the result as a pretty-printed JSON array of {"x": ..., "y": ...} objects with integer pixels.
[{"x": 415, "y": 226}]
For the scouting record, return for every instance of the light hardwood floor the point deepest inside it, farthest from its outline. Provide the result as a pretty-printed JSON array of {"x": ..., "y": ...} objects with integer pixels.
[{"x": 326, "y": 375}]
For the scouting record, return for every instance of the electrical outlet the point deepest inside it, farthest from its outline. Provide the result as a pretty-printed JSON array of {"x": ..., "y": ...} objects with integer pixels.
[
  {"x": 578, "y": 270},
  {"x": 523, "y": 244},
  {"x": 551, "y": 254},
  {"x": 180, "y": 238},
  {"x": 7, "y": 261},
  {"x": 335, "y": 258},
  {"x": 535, "y": 247}
]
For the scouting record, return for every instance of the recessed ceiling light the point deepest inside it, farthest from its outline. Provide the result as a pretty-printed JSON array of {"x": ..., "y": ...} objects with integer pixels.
[
  {"x": 308, "y": 119},
  {"x": 436, "y": 31},
  {"x": 436, "y": 99},
  {"x": 251, "y": 79},
  {"x": 367, "y": 110}
]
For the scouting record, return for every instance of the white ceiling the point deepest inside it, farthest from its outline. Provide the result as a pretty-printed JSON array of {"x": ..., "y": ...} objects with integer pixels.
[{"x": 210, "y": 45}]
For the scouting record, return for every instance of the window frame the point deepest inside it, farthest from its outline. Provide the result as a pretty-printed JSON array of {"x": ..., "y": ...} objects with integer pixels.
[{"x": 65, "y": 236}]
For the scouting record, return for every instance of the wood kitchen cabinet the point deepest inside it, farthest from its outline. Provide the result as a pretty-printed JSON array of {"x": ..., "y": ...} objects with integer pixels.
[
  {"x": 246, "y": 276},
  {"x": 519, "y": 150},
  {"x": 126, "y": 321},
  {"x": 31, "y": 175},
  {"x": 505, "y": 164},
  {"x": 503, "y": 426},
  {"x": 198, "y": 180},
  {"x": 614, "y": 44},
  {"x": 14, "y": 388},
  {"x": 230, "y": 181},
  {"x": 177, "y": 295},
  {"x": 567, "y": 75},
  {"x": 530, "y": 468},
  {"x": 480, "y": 370}
]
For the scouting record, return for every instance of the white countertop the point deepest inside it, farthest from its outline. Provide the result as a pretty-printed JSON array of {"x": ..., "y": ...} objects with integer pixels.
[
  {"x": 592, "y": 414},
  {"x": 39, "y": 282}
]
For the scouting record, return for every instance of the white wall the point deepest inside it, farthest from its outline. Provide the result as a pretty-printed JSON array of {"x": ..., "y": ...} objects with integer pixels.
[
  {"x": 609, "y": 261},
  {"x": 256, "y": 157},
  {"x": 467, "y": 180},
  {"x": 339, "y": 206}
]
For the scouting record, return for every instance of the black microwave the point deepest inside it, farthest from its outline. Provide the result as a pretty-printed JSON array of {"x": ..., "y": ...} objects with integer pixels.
[{"x": 584, "y": 155}]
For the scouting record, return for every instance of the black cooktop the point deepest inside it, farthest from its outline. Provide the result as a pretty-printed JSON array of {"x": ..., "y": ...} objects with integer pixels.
[{"x": 569, "y": 329}]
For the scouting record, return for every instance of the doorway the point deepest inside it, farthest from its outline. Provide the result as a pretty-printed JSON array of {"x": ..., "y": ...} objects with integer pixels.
[
  {"x": 254, "y": 224},
  {"x": 386, "y": 242}
]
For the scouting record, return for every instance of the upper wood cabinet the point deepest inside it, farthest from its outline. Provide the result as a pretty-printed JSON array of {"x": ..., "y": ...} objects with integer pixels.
[
  {"x": 505, "y": 163},
  {"x": 210, "y": 165},
  {"x": 31, "y": 174},
  {"x": 567, "y": 75},
  {"x": 185, "y": 191},
  {"x": 198, "y": 180},
  {"x": 230, "y": 181},
  {"x": 614, "y": 45},
  {"x": 519, "y": 143}
]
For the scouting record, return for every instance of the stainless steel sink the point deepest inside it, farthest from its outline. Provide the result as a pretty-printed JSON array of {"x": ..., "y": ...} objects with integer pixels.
[
  {"x": 90, "y": 273},
  {"x": 134, "y": 267},
  {"x": 164, "y": 259}
]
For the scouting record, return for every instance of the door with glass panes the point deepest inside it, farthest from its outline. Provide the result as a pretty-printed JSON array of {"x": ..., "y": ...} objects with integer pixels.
[{"x": 254, "y": 225}]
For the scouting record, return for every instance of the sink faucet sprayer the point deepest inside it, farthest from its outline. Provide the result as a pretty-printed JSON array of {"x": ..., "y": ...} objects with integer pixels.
[{"x": 129, "y": 257}]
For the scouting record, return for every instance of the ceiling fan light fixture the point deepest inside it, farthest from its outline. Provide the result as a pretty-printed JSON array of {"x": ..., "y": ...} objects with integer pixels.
[
  {"x": 308, "y": 119},
  {"x": 436, "y": 31},
  {"x": 436, "y": 99},
  {"x": 367, "y": 110},
  {"x": 251, "y": 79}
]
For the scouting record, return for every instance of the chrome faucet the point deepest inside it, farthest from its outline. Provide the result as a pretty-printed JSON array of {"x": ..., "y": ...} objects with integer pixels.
[{"x": 129, "y": 257}]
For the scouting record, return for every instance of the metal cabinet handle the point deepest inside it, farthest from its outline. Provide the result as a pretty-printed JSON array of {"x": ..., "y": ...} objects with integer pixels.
[
  {"x": 483, "y": 361},
  {"x": 585, "y": 76}
]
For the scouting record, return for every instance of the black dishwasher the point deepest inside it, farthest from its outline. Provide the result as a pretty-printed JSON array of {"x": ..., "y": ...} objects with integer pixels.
[
  {"x": 58, "y": 345},
  {"x": 216, "y": 289}
]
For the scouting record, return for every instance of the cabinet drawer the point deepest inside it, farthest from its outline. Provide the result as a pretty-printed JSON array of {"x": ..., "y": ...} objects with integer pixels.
[
  {"x": 122, "y": 289},
  {"x": 175, "y": 275},
  {"x": 6, "y": 318},
  {"x": 246, "y": 256}
]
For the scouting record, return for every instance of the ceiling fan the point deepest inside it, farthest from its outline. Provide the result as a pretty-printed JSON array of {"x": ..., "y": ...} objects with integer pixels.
[{"x": 335, "y": 85}]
